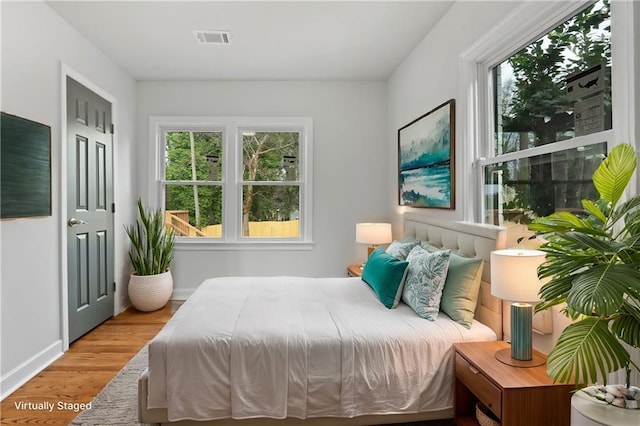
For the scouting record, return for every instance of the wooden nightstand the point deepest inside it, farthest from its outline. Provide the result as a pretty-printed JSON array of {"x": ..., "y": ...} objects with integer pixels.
[
  {"x": 518, "y": 396},
  {"x": 354, "y": 271}
]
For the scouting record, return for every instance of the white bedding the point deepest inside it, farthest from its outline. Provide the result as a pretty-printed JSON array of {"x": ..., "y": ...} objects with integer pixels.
[{"x": 246, "y": 347}]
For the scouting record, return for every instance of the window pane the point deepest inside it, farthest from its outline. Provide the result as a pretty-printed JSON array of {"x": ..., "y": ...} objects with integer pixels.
[
  {"x": 271, "y": 211},
  {"x": 181, "y": 148},
  {"x": 558, "y": 87},
  {"x": 270, "y": 156},
  {"x": 186, "y": 220},
  {"x": 518, "y": 191}
]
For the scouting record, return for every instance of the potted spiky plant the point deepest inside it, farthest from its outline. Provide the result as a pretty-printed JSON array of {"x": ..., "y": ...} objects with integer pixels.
[
  {"x": 151, "y": 252},
  {"x": 593, "y": 262}
]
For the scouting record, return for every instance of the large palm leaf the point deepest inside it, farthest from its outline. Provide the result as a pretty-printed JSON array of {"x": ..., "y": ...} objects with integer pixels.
[
  {"x": 601, "y": 290},
  {"x": 586, "y": 352},
  {"x": 627, "y": 325},
  {"x": 564, "y": 222},
  {"x": 614, "y": 173}
]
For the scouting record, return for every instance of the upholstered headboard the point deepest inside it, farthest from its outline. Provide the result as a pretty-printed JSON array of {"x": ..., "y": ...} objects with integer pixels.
[{"x": 469, "y": 240}]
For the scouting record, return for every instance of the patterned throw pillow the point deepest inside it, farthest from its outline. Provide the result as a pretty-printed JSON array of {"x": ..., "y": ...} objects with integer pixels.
[
  {"x": 461, "y": 288},
  {"x": 400, "y": 250},
  {"x": 426, "y": 275}
]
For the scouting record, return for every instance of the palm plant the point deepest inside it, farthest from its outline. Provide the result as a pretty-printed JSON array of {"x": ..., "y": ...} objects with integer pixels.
[
  {"x": 593, "y": 260},
  {"x": 151, "y": 248}
]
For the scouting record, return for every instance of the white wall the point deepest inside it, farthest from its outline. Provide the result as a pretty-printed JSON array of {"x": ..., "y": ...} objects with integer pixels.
[
  {"x": 350, "y": 164},
  {"x": 429, "y": 76},
  {"x": 35, "y": 41}
]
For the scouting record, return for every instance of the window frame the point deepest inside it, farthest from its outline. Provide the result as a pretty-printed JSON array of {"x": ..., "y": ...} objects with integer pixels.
[
  {"x": 476, "y": 91},
  {"x": 232, "y": 180}
]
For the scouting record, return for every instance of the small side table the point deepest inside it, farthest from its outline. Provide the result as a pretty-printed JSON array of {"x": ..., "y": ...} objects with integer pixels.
[
  {"x": 354, "y": 271},
  {"x": 517, "y": 396}
]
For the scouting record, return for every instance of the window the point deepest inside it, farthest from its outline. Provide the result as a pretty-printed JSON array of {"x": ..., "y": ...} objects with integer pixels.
[
  {"x": 193, "y": 182},
  {"x": 519, "y": 190},
  {"x": 270, "y": 184},
  {"x": 235, "y": 180},
  {"x": 557, "y": 87},
  {"x": 550, "y": 124}
]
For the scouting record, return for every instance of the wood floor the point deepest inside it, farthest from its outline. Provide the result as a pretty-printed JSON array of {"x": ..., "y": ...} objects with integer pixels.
[{"x": 91, "y": 362}]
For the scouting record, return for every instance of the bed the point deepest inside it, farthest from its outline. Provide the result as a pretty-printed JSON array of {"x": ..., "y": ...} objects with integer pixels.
[{"x": 277, "y": 350}]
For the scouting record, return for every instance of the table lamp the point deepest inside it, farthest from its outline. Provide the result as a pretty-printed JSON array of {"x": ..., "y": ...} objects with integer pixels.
[
  {"x": 514, "y": 277},
  {"x": 373, "y": 234}
]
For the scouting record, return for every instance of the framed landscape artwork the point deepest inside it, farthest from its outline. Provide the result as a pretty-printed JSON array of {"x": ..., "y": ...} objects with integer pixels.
[{"x": 426, "y": 159}]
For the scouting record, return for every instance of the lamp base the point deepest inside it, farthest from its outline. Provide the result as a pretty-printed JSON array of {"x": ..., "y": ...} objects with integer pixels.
[{"x": 504, "y": 356}]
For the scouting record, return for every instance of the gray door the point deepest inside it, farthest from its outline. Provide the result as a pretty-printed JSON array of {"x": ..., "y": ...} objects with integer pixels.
[{"x": 89, "y": 209}]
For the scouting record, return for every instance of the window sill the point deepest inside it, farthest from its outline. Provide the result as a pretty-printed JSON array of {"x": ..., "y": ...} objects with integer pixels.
[{"x": 210, "y": 244}]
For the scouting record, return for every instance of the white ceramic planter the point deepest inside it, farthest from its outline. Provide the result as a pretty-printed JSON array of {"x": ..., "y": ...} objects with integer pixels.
[
  {"x": 587, "y": 410},
  {"x": 150, "y": 292}
]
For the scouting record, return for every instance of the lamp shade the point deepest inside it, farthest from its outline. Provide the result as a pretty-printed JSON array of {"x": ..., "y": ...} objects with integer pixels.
[
  {"x": 373, "y": 233},
  {"x": 514, "y": 274}
]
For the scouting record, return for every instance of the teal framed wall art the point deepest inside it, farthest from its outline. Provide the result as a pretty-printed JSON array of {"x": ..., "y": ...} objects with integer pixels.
[{"x": 426, "y": 162}]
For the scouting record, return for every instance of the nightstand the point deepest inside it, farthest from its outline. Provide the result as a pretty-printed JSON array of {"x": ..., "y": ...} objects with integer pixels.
[
  {"x": 354, "y": 271},
  {"x": 518, "y": 396}
]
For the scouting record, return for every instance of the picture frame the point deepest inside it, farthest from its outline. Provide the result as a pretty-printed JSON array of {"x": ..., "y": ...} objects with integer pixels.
[{"x": 426, "y": 159}]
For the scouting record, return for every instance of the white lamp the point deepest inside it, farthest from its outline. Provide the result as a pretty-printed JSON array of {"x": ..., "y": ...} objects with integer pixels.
[
  {"x": 514, "y": 277},
  {"x": 373, "y": 234}
]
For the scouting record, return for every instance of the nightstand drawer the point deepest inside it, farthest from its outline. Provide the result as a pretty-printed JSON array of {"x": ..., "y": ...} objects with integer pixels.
[{"x": 477, "y": 383}]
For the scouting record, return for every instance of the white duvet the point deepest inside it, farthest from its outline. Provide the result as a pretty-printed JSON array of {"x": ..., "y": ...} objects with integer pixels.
[{"x": 246, "y": 347}]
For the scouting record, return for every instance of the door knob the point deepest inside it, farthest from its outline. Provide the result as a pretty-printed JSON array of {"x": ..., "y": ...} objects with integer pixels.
[{"x": 73, "y": 222}]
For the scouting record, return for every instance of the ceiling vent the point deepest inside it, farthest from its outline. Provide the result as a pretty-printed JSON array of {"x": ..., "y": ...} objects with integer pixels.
[{"x": 213, "y": 37}]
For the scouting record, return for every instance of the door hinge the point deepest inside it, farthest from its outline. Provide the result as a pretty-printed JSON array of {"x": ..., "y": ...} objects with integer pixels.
[
  {"x": 112, "y": 128},
  {"x": 114, "y": 286},
  {"x": 113, "y": 207}
]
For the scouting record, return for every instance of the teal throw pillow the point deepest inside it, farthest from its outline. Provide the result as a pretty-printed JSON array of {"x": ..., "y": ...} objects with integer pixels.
[
  {"x": 385, "y": 275},
  {"x": 426, "y": 275},
  {"x": 400, "y": 250},
  {"x": 461, "y": 288}
]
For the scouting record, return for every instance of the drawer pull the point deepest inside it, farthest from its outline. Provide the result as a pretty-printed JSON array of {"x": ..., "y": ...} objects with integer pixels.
[{"x": 473, "y": 370}]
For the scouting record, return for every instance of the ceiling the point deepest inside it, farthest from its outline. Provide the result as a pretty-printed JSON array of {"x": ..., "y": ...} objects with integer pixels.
[{"x": 287, "y": 40}]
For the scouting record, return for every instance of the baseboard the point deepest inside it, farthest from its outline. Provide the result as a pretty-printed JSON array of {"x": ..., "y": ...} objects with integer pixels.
[
  {"x": 20, "y": 375},
  {"x": 182, "y": 293}
]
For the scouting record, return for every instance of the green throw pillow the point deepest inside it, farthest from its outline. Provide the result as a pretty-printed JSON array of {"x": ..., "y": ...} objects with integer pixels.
[
  {"x": 461, "y": 288},
  {"x": 385, "y": 275}
]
